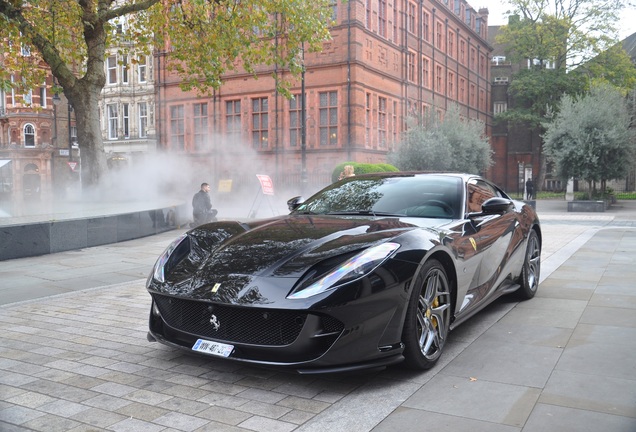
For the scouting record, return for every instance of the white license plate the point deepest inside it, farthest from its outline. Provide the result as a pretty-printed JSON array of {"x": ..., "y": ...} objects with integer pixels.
[{"x": 214, "y": 348}]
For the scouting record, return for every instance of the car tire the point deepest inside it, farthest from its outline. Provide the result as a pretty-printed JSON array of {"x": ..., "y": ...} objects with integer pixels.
[
  {"x": 531, "y": 269},
  {"x": 428, "y": 317}
]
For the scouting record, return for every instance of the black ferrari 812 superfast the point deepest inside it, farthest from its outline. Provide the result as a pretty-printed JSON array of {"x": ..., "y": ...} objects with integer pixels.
[{"x": 372, "y": 270}]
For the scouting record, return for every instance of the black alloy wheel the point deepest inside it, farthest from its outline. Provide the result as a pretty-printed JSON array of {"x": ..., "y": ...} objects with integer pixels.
[
  {"x": 427, "y": 317},
  {"x": 531, "y": 268}
]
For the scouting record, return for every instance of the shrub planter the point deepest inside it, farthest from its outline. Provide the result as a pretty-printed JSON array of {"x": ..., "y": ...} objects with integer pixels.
[{"x": 588, "y": 206}]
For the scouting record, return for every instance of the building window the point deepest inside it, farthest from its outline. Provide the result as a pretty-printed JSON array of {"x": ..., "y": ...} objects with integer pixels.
[
  {"x": 334, "y": 10},
  {"x": 468, "y": 17},
  {"x": 367, "y": 120},
  {"x": 451, "y": 85},
  {"x": 143, "y": 119},
  {"x": 141, "y": 69},
  {"x": 29, "y": 135},
  {"x": 177, "y": 127},
  {"x": 439, "y": 79},
  {"x": 425, "y": 26},
  {"x": 328, "y": 112},
  {"x": 426, "y": 72},
  {"x": 411, "y": 18},
  {"x": 382, "y": 122},
  {"x": 462, "y": 90},
  {"x": 233, "y": 117},
  {"x": 43, "y": 96},
  {"x": 295, "y": 120},
  {"x": 457, "y": 10},
  {"x": 382, "y": 18},
  {"x": 411, "y": 66},
  {"x": 394, "y": 127},
  {"x": 451, "y": 44},
  {"x": 111, "y": 70},
  {"x": 472, "y": 95},
  {"x": 260, "y": 123},
  {"x": 111, "y": 110},
  {"x": 367, "y": 19},
  {"x": 473, "y": 61},
  {"x": 124, "y": 70},
  {"x": 28, "y": 97},
  {"x": 482, "y": 65},
  {"x": 12, "y": 91},
  {"x": 500, "y": 107},
  {"x": 395, "y": 23},
  {"x": 438, "y": 34},
  {"x": 462, "y": 51},
  {"x": 126, "y": 119},
  {"x": 200, "y": 117},
  {"x": 482, "y": 100}
]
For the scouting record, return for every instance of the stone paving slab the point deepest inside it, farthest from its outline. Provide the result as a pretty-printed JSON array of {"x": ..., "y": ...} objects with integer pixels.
[{"x": 79, "y": 361}]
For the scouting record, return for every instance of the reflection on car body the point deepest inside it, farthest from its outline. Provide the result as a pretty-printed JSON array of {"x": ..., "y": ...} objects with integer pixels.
[{"x": 373, "y": 270}]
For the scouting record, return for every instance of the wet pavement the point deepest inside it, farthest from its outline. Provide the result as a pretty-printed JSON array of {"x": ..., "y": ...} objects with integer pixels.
[{"x": 74, "y": 356}]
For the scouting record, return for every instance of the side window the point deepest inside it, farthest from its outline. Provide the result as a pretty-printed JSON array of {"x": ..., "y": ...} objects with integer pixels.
[{"x": 478, "y": 192}]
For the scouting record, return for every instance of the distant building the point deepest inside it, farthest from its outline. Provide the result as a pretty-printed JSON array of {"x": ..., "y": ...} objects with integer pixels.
[
  {"x": 518, "y": 148},
  {"x": 127, "y": 104},
  {"x": 34, "y": 148},
  {"x": 387, "y": 61}
]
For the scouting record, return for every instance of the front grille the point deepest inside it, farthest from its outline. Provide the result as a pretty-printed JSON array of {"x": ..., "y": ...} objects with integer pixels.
[{"x": 236, "y": 324}]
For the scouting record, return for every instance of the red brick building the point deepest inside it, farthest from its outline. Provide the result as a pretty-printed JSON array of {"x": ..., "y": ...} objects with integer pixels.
[
  {"x": 387, "y": 60},
  {"x": 34, "y": 149}
]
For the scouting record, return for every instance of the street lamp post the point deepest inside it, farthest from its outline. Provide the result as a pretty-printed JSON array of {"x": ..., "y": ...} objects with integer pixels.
[
  {"x": 56, "y": 101},
  {"x": 303, "y": 127},
  {"x": 70, "y": 136}
]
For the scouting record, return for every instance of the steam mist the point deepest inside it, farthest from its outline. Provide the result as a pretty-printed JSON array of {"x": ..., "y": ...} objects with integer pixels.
[{"x": 163, "y": 179}]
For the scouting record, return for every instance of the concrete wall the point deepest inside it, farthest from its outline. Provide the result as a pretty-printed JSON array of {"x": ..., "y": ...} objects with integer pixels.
[{"x": 40, "y": 238}]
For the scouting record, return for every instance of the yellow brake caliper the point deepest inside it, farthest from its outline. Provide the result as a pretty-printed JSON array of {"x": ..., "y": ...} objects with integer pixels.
[{"x": 428, "y": 312}]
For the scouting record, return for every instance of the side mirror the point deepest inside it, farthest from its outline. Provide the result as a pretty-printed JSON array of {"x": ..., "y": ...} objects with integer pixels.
[
  {"x": 292, "y": 204},
  {"x": 496, "y": 205}
]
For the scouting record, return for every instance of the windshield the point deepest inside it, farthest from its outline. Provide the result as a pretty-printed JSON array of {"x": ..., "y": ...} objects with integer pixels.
[{"x": 432, "y": 196}]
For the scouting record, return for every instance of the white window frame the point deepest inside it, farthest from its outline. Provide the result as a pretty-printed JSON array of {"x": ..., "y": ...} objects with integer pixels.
[
  {"x": 43, "y": 95},
  {"x": 28, "y": 97},
  {"x": 124, "y": 70},
  {"x": 142, "y": 70},
  {"x": 142, "y": 109},
  {"x": 24, "y": 132},
  {"x": 125, "y": 112},
  {"x": 113, "y": 121},
  {"x": 111, "y": 70},
  {"x": 499, "y": 107}
]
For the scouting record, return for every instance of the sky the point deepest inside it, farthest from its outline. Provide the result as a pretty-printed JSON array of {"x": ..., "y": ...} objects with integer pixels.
[{"x": 497, "y": 9}]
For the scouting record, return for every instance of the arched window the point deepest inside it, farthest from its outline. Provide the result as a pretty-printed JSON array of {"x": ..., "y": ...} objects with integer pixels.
[{"x": 29, "y": 135}]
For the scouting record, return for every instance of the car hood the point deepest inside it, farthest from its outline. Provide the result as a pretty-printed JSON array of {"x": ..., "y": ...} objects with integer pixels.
[{"x": 250, "y": 263}]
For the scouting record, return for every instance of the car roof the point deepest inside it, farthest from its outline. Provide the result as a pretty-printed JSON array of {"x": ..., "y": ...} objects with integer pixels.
[{"x": 463, "y": 176}]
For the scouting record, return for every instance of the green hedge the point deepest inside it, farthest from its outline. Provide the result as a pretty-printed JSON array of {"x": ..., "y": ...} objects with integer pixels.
[{"x": 362, "y": 168}]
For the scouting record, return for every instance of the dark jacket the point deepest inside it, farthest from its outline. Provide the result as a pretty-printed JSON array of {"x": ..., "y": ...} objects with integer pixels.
[{"x": 201, "y": 203}]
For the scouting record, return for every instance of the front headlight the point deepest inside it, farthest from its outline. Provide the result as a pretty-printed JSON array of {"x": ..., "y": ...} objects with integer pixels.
[
  {"x": 354, "y": 268},
  {"x": 175, "y": 252}
]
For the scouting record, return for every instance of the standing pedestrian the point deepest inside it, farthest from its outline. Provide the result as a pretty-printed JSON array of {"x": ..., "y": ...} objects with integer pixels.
[{"x": 529, "y": 189}]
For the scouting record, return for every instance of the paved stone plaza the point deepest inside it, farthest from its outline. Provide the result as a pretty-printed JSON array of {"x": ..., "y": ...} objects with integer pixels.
[{"x": 74, "y": 355}]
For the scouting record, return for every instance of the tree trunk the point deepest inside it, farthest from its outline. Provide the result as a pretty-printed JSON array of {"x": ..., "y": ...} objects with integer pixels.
[{"x": 91, "y": 145}]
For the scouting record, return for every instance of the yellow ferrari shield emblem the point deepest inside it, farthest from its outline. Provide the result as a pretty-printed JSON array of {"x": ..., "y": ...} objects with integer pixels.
[{"x": 474, "y": 243}]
